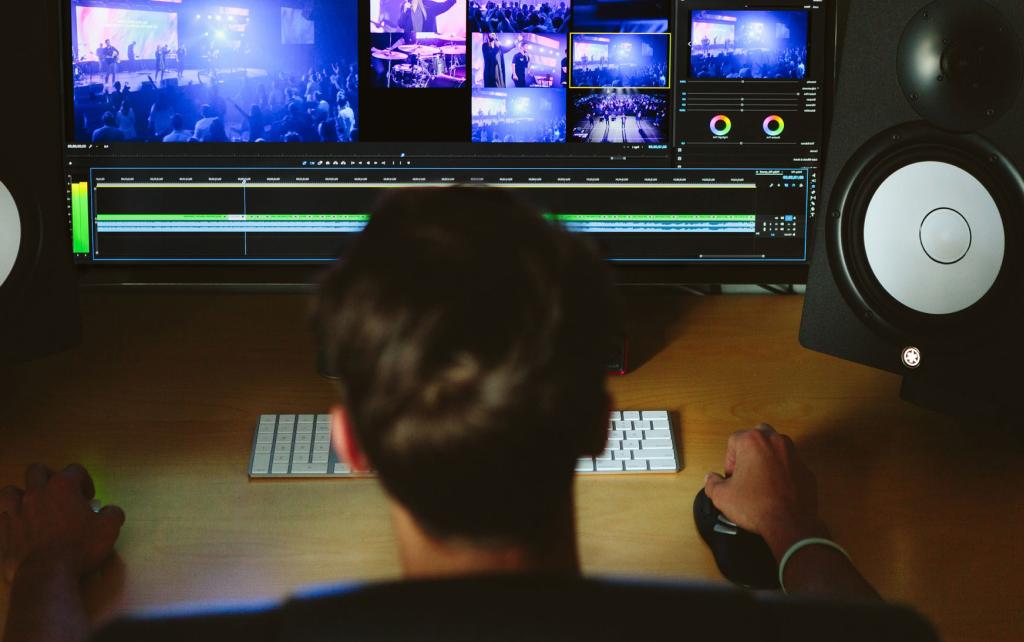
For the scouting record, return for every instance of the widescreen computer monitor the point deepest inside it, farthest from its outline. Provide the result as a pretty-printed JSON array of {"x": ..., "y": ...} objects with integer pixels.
[{"x": 254, "y": 133}]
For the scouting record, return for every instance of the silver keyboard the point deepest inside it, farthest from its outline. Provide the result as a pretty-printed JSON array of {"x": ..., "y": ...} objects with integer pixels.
[{"x": 639, "y": 441}]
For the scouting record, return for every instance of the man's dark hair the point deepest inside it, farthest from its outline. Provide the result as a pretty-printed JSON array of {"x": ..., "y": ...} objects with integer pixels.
[{"x": 470, "y": 336}]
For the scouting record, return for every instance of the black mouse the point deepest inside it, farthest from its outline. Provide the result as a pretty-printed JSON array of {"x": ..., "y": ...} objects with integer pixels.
[{"x": 743, "y": 557}]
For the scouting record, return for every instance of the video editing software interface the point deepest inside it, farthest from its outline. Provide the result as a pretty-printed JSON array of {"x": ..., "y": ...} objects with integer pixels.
[{"x": 262, "y": 131}]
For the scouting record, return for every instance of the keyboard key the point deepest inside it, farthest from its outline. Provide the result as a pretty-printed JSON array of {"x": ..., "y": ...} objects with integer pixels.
[
  {"x": 321, "y": 448},
  {"x": 657, "y": 443},
  {"x": 613, "y": 444},
  {"x": 623, "y": 425},
  {"x": 655, "y": 453},
  {"x": 609, "y": 466},
  {"x": 261, "y": 464},
  {"x": 307, "y": 418},
  {"x": 282, "y": 457},
  {"x": 660, "y": 424},
  {"x": 633, "y": 434},
  {"x": 617, "y": 434},
  {"x": 663, "y": 464},
  {"x": 585, "y": 466},
  {"x": 605, "y": 456},
  {"x": 267, "y": 438},
  {"x": 342, "y": 469},
  {"x": 656, "y": 415},
  {"x": 263, "y": 449},
  {"x": 279, "y": 469},
  {"x": 285, "y": 420},
  {"x": 620, "y": 455},
  {"x": 304, "y": 429},
  {"x": 630, "y": 415},
  {"x": 323, "y": 419},
  {"x": 641, "y": 425},
  {"x": 320, "y": 458},
  {"x": 310, "y": 469},
  {"x": 636, "y": 465},
  {"x": 629, "y": 444},
  {"x": 268, "y": 419},
  {"x": 616, "y": 415}
]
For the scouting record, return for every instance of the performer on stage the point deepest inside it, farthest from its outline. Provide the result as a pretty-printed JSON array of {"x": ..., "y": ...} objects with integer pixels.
[
  {"x": 108, "y": 55},
  {"x": 161, "y": 63},
  {"x": 520, "y": 66},
  {"x": 182, "y": 52},
  {"x": 419, "y": 16},
  {"x": 131, "y": 56},
  {"x": 494, "y": 60}
]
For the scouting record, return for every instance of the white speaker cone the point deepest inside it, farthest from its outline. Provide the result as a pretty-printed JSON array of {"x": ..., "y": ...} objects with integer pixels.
[
  {"x": 934, "y": 238},
  {"x": 10, "y": 233}
]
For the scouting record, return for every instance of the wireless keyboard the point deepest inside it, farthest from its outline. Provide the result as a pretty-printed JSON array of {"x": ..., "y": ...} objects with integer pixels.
[{"x": 639, "y": 442}]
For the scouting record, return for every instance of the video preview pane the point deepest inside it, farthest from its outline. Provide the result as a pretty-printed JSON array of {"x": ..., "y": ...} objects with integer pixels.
[
  {"x": 519, "y": 60},
  {"x": 749, "y": 45},
  {"x": 491, "y": 16},
  {"x": 620, "y": 60},
  {"x": 518, "y": 116},
  {"x": 418, "y": 44},
  {"x": 620, "y": 116},
  {"x": 256, "y": 71}
]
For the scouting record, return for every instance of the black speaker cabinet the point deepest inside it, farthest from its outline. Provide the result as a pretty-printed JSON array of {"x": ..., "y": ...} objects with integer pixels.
[
  {"x": 38, "y": 295},
  {"x": 917, "y": 267}
]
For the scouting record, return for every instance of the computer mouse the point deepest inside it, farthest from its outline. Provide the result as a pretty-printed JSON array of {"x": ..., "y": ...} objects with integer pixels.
[{"x": 743, "y": 557}]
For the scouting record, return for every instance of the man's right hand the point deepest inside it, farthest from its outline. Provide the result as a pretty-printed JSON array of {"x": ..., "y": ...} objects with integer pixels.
[{"x": 768, "y": 490}]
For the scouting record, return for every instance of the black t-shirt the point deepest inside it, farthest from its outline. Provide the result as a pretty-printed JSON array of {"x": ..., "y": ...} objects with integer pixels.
[{"x": 521, "y": 62}]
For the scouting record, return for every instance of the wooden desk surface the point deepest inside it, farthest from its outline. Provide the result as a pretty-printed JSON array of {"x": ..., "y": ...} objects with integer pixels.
[{"x": 161, "y": 400}]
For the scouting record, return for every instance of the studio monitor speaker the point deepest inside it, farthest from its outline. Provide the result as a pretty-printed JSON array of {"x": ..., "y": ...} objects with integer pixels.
[
  {"x": 38, "y": 295},
  {"x": 918, "y": 258}
]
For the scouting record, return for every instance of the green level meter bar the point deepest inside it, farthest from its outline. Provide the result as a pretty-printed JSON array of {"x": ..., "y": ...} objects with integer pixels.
[
  {"x": 80, "y": 218},
  {"x": 563, "y": 218}
]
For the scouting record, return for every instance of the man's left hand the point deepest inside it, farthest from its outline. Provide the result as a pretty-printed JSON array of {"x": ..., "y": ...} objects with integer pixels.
[{"x": 51, "y": 521}]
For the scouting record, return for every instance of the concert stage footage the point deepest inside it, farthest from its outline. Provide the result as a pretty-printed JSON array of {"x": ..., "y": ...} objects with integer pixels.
[
  {"x": 446, "y": 17},
  {"x": 519, "y": 60},
  {"x": 619, "y": 116},
  {"x": 621, "y": 16},
  {"x": 257, "y": 71},
  {"x": 505, "y": 16},
  {"x": 418, "y": 44},
  {"x": 620, "y": 61},
  {"x": 418, "y": 61},
  {"x": 765, "y": 45},
  {"x": 518, "y": 116}
]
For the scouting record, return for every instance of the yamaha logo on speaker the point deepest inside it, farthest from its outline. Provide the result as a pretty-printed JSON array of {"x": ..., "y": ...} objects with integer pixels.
[{"x": 912, "y": 358}]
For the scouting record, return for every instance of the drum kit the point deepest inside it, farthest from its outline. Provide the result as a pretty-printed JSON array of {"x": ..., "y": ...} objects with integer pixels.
[{"x": 432, "y": 57}]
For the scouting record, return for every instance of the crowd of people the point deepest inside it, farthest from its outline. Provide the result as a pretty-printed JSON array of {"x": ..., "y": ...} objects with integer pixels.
[
  {"x": 585, "y": 74},
  {"x": 519, "y": 17},
  {"x": 318, "y": 106},
  {"x": 761, "y": 64},
  {"x": 602, "y": 107},
  {"x": 507, "y": 130}
]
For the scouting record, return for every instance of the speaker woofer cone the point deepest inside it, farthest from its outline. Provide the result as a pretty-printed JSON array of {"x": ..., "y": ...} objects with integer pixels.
[{"x": 906, "y": 151}]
